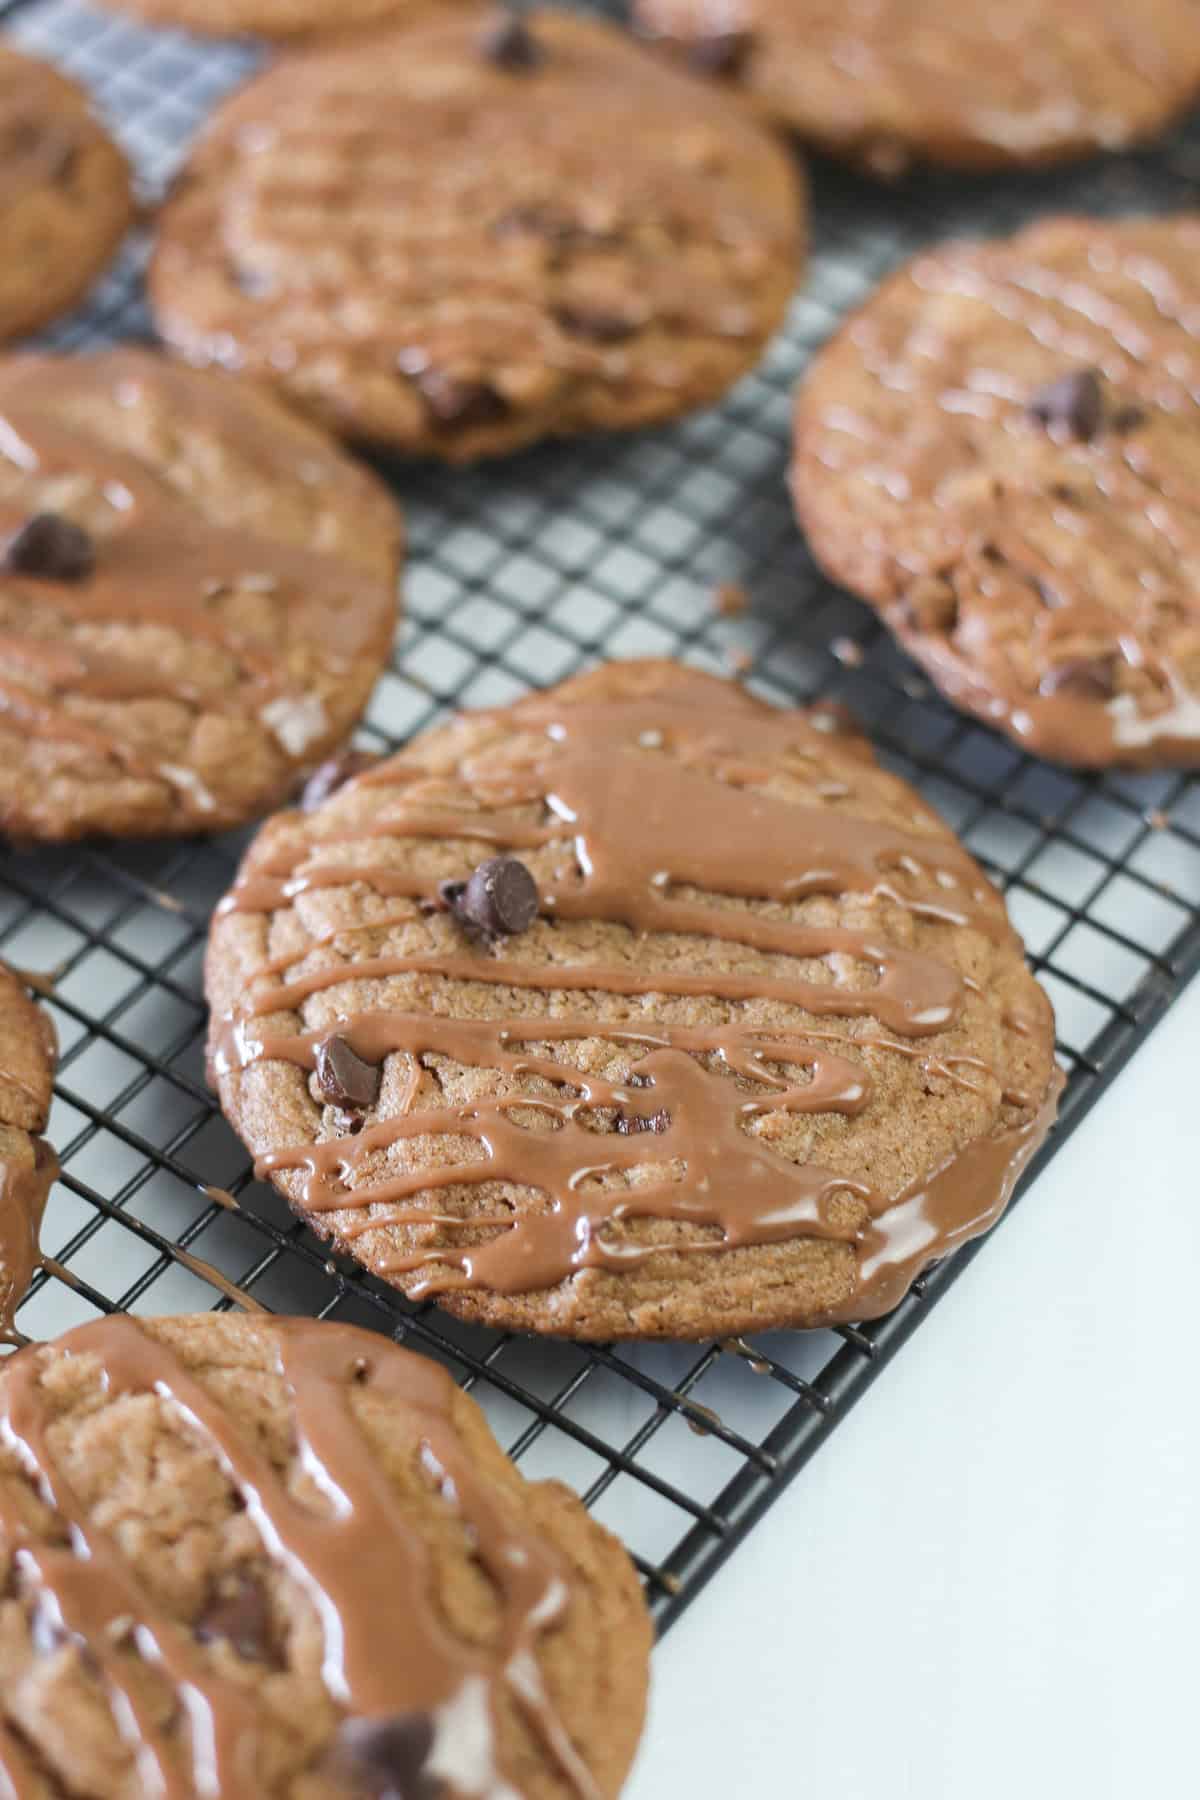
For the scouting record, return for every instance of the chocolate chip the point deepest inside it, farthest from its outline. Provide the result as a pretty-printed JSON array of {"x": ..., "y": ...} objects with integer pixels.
[
  {"x": 343, "y": 1076},
  {"x": 508, "y": 42},
  {"x": 334, "y": 774},
  {"x": 602, "y": 323},
  {"x": 629, "y": 1124},
  {"x": 52, "y": 547},
  {"x": 722, "y": 53},
  {"x": 500, "y": 898},
  {"x": 63, "y": 161},
  {"x": 1073, "y": 402},
  {"x": 931, "y": 604},
  {"x": 449, "y": 894},
  {"x": 1081, "y": 678},
  {"x": 238, "y": 1616},
  {"x": 388, "y": 1756},
  {"x": 1128, "y": 418},
  {"x": 455, "y": 402}
]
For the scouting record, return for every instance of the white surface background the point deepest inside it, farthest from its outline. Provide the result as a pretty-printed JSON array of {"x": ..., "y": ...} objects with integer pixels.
[{"x": 985, "y": 1585}]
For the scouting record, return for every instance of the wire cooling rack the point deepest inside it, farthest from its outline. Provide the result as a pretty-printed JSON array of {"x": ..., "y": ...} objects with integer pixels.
[{"x": 521, "y": 573}]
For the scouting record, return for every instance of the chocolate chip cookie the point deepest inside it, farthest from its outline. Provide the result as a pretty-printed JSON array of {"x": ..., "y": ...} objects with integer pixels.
[
  {"x": 28, "y": 1056},
  {"x": 65, "y": 195},
  {"x": 286, "y": 19},
  {"x": 480, "y": 232},
  {"x": 197, "y": 592},
  {"x": 1000, "y": 452},
  {"x": 288, "y": 1559},
  {"x": 763, "y": 1045},
  {"x": 980, "y": 84}
]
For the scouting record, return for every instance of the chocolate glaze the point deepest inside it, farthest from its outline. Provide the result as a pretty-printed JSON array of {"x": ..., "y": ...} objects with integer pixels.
[
  {"x": 209, "y": 1272},
  {"x": 995, "y": 82},
  {"x": 23, "y": 1195},
  {"x": 609, "y": 244},
  {"x": 652, "y": 833},
  {"x": 162, "y": 562},
  {"x": 28, "y": 1165},
  {"x": 40, "y": 136},
  {"x": 380, "y": 1659},
  {"x": 222, "y": 1197},
  {"x": 1043, "y": 576},
  {"x": 759, "y": 1365}
]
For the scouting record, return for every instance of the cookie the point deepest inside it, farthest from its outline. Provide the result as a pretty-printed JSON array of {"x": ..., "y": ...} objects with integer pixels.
[
  {"x": 28, "y": 1166},
  {"x": 1000, "y": 452},
  {"x": 288, "y": 1559},
  {"x": 636, "y": 1009},
  {"x": 65, "y": 195},
  {"x": 197, "y": 592},
  {"x": 463, "y": 237},
  {"x": 278, "y": 18},
  {"x": 977, "y": 85}
]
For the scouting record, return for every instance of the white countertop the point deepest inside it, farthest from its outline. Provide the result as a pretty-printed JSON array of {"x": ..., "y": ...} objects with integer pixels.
[{"x": 985, "y": 1584}]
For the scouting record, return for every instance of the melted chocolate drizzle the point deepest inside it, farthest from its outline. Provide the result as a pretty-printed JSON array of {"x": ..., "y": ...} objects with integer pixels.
[
  {"x": 162, "y": 562},
  {"x": 583, "y": 189},
  {"x": 379, "y": 1659},
  {"x": 664, "y": 801},
  {"x": 1078, "y": 552},
  {"x": 40, "y": 137},
  {"x": 23, "y": 1194}
]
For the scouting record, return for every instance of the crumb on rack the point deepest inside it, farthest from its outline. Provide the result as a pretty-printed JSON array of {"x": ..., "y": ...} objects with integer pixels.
[{"x": 729, "y": 599}]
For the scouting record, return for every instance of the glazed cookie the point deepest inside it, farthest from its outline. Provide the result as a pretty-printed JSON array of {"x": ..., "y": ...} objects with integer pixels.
[
  {"x": 288, "y": 1560},
  {"x": 28, "y": 1166},
  {"x": 459, "y": 239},
  {"x": 976, "y": 85},
  {"x": 197, "y": 592},
  {"x": 279, "y": 18},
  {"x": 65, "y": 196},
  {"x": 636, "y": 1009},
  {"x": 1000, "y": 452}
]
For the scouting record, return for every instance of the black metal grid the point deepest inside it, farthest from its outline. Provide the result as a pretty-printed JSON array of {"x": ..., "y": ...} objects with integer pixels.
[{"x": 521, "y": 573}]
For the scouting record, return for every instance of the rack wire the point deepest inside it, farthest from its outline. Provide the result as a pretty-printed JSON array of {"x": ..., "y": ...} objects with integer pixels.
[{"x": 521, "y": 573}]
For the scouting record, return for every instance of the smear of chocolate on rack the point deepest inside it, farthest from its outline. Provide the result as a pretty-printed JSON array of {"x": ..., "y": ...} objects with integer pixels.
[
  {"x": 23, "y": 1195},
  {"x": 659, "y": 797},
  {"x": 24, "y": 1190},
  {"x": 380, "y": 1660}
]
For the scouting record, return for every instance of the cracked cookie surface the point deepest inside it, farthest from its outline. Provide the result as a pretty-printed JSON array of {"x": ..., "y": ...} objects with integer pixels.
[
  {"x": 460, "y": 238},
  {"x": 978, "y": 85},
  {"x": 761, "y": 1045},
  {"x": 65, "y": 195},
  {"x": 1000, "y": 451},
  {"x": 276, "y": 1559},
  {"x": 197, "y": 593}
]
